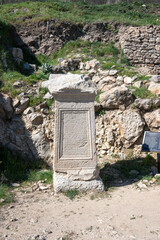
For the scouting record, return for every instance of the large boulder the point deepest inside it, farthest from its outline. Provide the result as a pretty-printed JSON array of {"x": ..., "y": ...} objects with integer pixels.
[
  {"x": 39, "y": 145},
  {"x": 153, "y": 120},
  {"x": 131, "y": 127},
  {"x": 116, "y": 97}
]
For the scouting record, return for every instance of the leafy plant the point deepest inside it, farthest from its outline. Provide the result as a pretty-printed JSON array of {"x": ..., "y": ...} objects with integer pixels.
[{"x": 46, "y": 68}]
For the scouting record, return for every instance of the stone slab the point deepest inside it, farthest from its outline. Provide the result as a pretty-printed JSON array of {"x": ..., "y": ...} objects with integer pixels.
[{"x": 62, "y": 183}]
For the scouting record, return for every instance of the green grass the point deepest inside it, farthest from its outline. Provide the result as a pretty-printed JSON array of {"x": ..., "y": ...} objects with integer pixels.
[
  {"x": 98, "y": 96},
  {"x": 5, "y": 194},
  {"x": 142, "y": 92},
  {"x": 44, "y": 175},
  {"x": 81, "y": 12},
  {"x": 36, "y": 100}
]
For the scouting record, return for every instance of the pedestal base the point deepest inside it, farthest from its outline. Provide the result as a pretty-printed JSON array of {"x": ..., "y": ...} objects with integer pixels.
[{"x": 62, "y": 183}]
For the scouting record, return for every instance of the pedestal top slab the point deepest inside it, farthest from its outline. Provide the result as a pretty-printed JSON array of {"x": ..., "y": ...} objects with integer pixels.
[{"x": 59, "y": 83}]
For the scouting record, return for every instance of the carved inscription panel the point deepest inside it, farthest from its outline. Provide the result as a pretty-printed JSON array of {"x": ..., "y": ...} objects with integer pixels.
[{"x": 75, "y": 135}]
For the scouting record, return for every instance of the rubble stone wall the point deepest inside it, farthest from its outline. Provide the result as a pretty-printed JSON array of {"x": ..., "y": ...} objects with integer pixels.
[{"x": 141, "y": 45}]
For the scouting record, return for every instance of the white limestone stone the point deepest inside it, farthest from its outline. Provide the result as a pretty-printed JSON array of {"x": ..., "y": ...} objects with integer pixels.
[{"x": 62, "y": 183}]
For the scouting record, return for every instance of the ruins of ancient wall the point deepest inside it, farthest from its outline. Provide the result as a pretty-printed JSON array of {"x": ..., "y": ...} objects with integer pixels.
[{"x": 141, "y": 45}]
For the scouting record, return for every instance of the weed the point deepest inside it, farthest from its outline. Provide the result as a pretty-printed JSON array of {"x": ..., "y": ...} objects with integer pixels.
[
  {"x": 148, "y": 178},
  {"x": 71, "y": 193},
  {"x": 89, "y": 228},
  {"x": 98, "y": 96},
  {"x": 143, "y": 78},
  {"x": 46, "y": 68},
  {"x": 49, "y": 102},
  {"x": 101, "y": 112},
  {"x": 142, "y": 92}
]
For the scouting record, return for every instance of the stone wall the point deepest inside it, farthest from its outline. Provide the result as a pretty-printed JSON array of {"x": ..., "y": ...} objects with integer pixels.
[{"x": 141, "y": 45}]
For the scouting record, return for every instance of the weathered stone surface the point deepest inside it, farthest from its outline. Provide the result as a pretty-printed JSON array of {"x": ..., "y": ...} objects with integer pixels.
[
  {"x": 115, "y": 97},
  {"x": 60, "y": 82},
  {"x": 154, "y": 88},
  {"x": 23, "y": 105},
  {"x": 128, "y": 80},
  {"x": 106, "y": 81},
  {"x": 155, "y": 78},
  {"x": 35, "y": 118},
  {"x": 144, "y": 104},
  {"x": 48, "y": 96},
  {"x": 83, "y": 174},
  {"x": 92, "y": 64},
  {"x": 62, "y": 184},
  {"x": 17, "y": 54},
  {"x": 137, "y": 84},
  {"x": 6, "y": 108},
  {"x": 28, "y": 110},
  {"x": 113, "y": 72},
  {"x": 29, "y": 68},
  {"x": 131, "y": 126},
  {"x": 141, "y": 46},
  {"x": 40, "y": 145},
  {"x": 152, "y": 120}
]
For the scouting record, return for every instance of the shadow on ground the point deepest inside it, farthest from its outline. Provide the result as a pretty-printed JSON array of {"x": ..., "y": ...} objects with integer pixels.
[{"x": 125, "y": 172}]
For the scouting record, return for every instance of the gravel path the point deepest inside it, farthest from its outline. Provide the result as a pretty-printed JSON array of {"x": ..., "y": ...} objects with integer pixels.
[{"x": 122, "y": 213}]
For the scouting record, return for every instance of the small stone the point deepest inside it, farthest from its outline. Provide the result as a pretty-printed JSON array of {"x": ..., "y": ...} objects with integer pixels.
[
  {"x": 2, "y": 200},
  {"x": 132, "y": 237},
  {"x": 142, "y": 185},
  {"x": 113, "y": 72},
  {"x": 15, "y": 102},
  {"x": 48, "y": 96},
  {"x": 34, "y": 220},
  {"x": 23, "y": 105},
  {"x": 17, "y": 84},
  {"x": 120, "y": 79},
  {"x": 128, "y": 80},
  {"x": 14, "y": 220},
  {"x": 36, "y": 118},
  {"x": 137, "y": 84},
  {"x": 15, "y": 184},
  {"x": 28, "y": 110},
  {"x": 157, "y": 175},
  {"x": 42, "y": 188}
]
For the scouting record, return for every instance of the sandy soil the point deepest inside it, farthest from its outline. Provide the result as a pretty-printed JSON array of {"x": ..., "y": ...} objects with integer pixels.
[{"x": 123, "y": 213}]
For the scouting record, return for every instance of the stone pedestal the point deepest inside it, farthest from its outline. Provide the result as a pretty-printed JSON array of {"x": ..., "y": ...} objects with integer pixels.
[{"x": 75, "y": 163}]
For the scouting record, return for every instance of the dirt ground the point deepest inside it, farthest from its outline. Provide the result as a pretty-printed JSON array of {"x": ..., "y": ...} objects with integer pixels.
[{"x": 122, "y": 213}]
